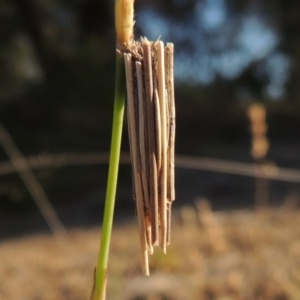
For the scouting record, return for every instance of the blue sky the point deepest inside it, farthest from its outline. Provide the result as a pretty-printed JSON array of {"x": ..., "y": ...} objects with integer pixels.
[{"x": 220, "y": 45}]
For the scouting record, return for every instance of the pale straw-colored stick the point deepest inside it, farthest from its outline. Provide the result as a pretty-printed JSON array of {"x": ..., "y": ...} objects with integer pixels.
[
  {"x": 143, "y": 152},
  {"x": 157, "y": 129},
  {"x": 163, "y": 171},
  {"x": 134, "y": 149},
  {"x": 167, "y": 114},
  {"x": 153, "y": 187},
  {"x": 169, "y": 214},
  {"x": 169, "y": 53},
  {"x": 141, "y": 130},
  {"x": 169, "y": 62}
]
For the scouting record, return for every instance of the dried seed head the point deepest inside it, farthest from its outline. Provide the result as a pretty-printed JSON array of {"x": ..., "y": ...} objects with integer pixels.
[
  {"x": 124, "y": 21},
  {"x": 257, "y": 112}
]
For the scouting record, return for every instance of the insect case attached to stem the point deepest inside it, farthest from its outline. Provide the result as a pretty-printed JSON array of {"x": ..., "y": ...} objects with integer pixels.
[{"x": 151, "y": 124}]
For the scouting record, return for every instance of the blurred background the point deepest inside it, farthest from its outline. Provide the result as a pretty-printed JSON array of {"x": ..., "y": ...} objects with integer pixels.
[
  {"x": 57, "y": 61},
  {"x": 57, "y": 83}
]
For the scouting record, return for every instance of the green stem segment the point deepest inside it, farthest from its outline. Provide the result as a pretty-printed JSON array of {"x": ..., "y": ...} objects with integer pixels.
[{"x": 119, "y": 104}]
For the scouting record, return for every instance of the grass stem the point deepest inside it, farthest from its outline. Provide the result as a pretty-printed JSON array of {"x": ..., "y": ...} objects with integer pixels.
[{"x": 118, "y": 115}]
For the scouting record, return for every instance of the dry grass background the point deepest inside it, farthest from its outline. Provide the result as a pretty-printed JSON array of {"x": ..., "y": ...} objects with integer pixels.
[{"x": 226, "y": 255}]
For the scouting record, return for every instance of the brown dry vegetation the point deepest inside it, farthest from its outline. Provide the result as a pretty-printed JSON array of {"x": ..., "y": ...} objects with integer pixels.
[{"x": 227, "y": 255}]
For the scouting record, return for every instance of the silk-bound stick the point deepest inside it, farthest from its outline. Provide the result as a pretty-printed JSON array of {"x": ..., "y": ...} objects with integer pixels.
[
  {"x": 169, "y": 57},
  {"x": 133, "y": 122},
  {"x": 143, "y": 151},
  {"x": 163, "y": 171},
  {"x": 157, "y": 128},
  {"x": 169, "y": 71},
  {"x": 153, "y": 191},
  {"x": 141, "y": 130}
]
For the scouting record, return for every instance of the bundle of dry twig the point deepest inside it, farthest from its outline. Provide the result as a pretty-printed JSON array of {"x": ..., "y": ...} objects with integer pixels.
[{"x": 151, "y": 119}]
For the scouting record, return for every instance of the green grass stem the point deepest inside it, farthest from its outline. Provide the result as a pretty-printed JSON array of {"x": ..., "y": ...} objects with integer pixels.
[{"x": 118, "y": 116}]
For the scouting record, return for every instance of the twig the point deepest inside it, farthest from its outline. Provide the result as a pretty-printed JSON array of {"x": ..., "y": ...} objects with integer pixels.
[
  {"x": 135, "y": 155},
  {"x": 169, "y": 61},
  {"x": 163, "y": 170},
  {"x": 21, "y": 166},
  {"x": 44, "y": 161},
  {"x": 151, "y": 140}
]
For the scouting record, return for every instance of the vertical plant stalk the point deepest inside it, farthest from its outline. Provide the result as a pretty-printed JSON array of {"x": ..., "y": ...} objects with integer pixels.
[
  {"x": 124, "y": 22},
  {"x": 118, "y": 115},
  {"x": 260, "y": 147}
]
